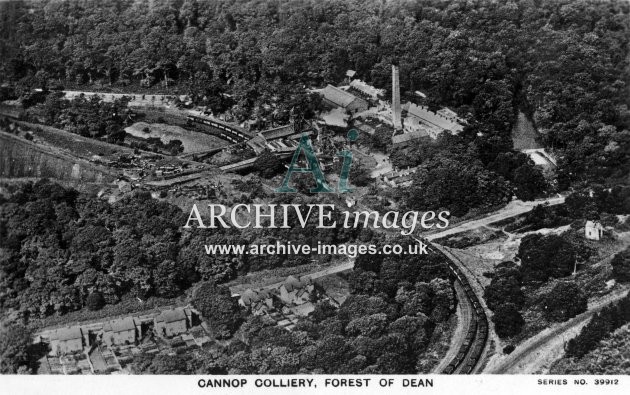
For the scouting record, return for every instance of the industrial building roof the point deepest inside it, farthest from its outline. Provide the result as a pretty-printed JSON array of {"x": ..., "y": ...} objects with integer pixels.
[
  {"x": 278, "y": 132},
  {"x": 413, "y": 135},
  {"x": 338, "y": 96},
  {"x": 431, "y": 118}
]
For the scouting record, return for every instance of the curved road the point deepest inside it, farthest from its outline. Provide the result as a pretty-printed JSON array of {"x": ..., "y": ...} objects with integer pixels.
[{"x": 543, "y": 343}]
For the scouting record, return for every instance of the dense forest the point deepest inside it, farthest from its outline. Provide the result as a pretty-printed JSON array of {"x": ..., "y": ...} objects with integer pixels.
[
  {"x": 397, "y": 312},
  {"x": 59, "y": 247},
  {"x": 563, "y": 63},
  {"x": 63, "y": 251}
]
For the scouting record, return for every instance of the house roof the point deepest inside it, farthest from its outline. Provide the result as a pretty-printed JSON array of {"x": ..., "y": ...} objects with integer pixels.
[
  {"x": 404, "y": 179},
  {"x": 338, "y": 96},
  {"x": 265, "y": 293},
  {"x": 401, "y": 173},
  {"x": 120, "y": 325},
  {"x": 413, "y": 135},
  {"x": 304, "y": 309},
  {"x": 172, "y": 315},
  {"x": 249, "y": 296},
  {"x": 69, "y": 333},
  {"x": 594, "y": 224},
  {"x": 292, "y": 282},
  {"x": 433, "y": 119}
]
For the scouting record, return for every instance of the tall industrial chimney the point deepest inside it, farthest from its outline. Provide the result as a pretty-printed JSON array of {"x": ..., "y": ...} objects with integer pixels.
[{"x": 396, "y": 99}]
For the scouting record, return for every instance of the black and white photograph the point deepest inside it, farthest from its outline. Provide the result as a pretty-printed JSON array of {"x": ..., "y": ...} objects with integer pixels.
[{"x": 334, "y": 196}]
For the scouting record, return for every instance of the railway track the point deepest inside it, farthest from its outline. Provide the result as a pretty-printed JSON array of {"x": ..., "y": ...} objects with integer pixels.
[
  {"x": 471, "y": 349},
  {"x": 223, "y": 130}
]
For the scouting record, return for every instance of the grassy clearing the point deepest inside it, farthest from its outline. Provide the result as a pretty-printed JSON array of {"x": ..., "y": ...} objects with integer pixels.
[
  {"x": 191, "y": 141},
  {"x": 524, "y": 135}
]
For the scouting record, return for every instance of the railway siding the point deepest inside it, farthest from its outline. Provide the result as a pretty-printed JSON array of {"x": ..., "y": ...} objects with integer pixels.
[{"x": 471, "y": 350}]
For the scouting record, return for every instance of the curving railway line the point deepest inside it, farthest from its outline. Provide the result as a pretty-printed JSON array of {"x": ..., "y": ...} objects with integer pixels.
[{"x": 471, "y": 349}]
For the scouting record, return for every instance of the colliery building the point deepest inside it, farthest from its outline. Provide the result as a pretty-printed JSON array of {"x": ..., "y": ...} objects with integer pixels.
[
  {"x": 337, "y": 97},
  {"x": 433, "y": 123},
  {"x": 281, "y": 139}
]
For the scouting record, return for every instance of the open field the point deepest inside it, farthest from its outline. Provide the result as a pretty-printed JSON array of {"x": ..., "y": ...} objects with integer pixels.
[
  {"x": 191, "y": 141},
  {"x": 524, "y": 134}
]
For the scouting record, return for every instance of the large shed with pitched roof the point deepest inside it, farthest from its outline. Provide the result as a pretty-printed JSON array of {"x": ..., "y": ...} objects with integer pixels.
[{"x": 337, "y": 97}]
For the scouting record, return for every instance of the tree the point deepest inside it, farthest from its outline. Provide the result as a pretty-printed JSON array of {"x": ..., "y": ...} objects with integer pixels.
[
  {"x": 544, "y": 256},
  {"x": 528, "y": 182},
  {"x": 456, "y": 183},
  {"x": 95, "y": 301},
  {"x": 601, "y": 325},
  {"x": 564, "y": 301},
  {"x": 359, "y": 175},
  {"x": 416, "y": 300},
  {"x": 14, "y": 342},
  {"x": 381, "y": 138},
  {"x": 218, "y": 308},
  {"x": 507, "y": 320},
  {"x": 268, "y": 165},
  {"x": 369, "y": 325},
  {"x": 168, "y": 364},
  {"x": 504, "y": 289},
  {"x": 443, "y": 299},
  {"x": 331, "y": 353},
  {"x": 621, "y": 266}
]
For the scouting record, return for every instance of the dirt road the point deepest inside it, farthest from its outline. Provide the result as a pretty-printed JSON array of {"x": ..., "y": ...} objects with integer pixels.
[
  {"x": 383, "y": 165},
  {"x": 238, "y": 289},
  {"x": 513, "y": 209},
  {"x": 538, "y": 352}
]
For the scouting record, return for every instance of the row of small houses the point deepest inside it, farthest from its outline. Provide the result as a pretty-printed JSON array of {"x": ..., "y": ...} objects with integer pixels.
[
  {"x": 400, "y": 178},
  {"x": 295, "y": 294},
  {"x": 118, "y": 332}
]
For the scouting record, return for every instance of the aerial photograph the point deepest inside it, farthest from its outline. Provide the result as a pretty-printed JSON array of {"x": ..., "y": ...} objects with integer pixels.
[{"x": 314, "y": 187}]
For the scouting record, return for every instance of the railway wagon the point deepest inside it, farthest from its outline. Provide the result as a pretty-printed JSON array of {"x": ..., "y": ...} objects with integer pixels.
[
  {"x": 477, "y": 348},
  {"x": 474, "y": 342},
  {"x": 229, "y": 133}
]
